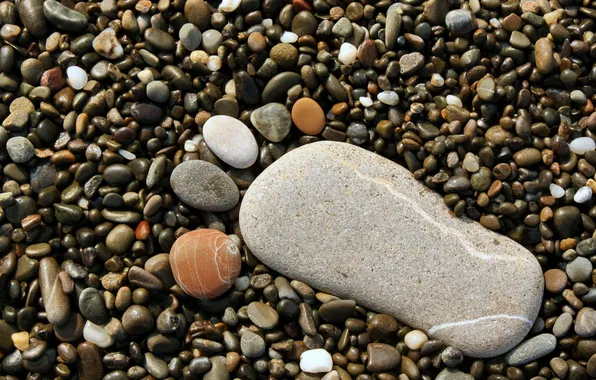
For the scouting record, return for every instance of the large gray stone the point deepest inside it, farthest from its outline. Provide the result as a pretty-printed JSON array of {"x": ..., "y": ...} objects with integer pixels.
[{"x": 354, "y": 224}]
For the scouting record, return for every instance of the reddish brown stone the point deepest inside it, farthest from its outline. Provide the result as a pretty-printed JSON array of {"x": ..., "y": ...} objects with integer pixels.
[
  {"x": 143, "y": 230},
  {"x": 367, "y": 53},
  {"x": 205, "y": 263},
  {"x": 301, "y": 5},
  {"x": 53, "y": 79}
]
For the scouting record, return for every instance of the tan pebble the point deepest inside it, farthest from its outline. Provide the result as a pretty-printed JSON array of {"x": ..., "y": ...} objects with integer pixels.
[
  {"x": 555, "y": 280},
  {"x": 568, "y": 243},
  {"x": 20, "y": 340},
  {"x": 308, "y": 116},
  {"x": 205, "y": 263}
]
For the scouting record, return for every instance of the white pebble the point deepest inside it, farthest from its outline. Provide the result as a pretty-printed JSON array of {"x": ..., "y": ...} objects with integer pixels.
[
  {"x": 415, "y": 339},
  {"x": 388, "y": 97},
  {"x": 77, "y": 77},
  {"x": 471, "y": 163},
  {"x": 581, "y": 145},
  {"x": 289, "y": 38},
  {"x": 267, "y": 23},
  {"x": 97, "y": 335},
  {"x": 495, "y": 23},
  {"x": 347, "y": 53},
  {"x": 437, "y": 80},
  {"x": 214, "y": 63},
  {"x": 454, "y": 100},
  {"x": 190, "y": 146},
  {"x": 229, "y": 5},
  {"x": 556, "y": 190},
  {"x": 126, "y": 154},
  {"x": 316, "y": 361},
  {"x": 231, "y": 88},
  {"x": 145, "y": 76},
  {"x": 365, "y": 101},
  {"x": 242, "y": 283},
  {"x": 583, "y": 194}
]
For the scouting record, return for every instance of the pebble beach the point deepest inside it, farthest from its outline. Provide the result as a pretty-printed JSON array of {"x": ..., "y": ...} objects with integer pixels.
[{"x": 297, "y": 189}]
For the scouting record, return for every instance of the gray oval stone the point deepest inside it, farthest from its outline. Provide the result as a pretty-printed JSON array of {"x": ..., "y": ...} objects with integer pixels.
[
  {"x": 354, "y": 224},
  {"x": 531, "y": 349},
  {"x": 204, "y": 186}
]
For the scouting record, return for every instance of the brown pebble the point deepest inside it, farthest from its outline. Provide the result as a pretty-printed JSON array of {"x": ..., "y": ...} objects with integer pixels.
[
  {"x": 555, "y": 280},
  {"x": 308, "y": 116}
]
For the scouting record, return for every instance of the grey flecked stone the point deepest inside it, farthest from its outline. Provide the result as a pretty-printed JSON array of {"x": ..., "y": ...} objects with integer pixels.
[
  {"x": 190, "y": 36},
  {"x": 204, "y": 186},
  {"x": 252, "y": 345},
  {"x": 579, "y": 269},
  {"x": 20, "y": 149},
  {"x": 354, "y": 224},
  {"x": 531, "y": 349}
]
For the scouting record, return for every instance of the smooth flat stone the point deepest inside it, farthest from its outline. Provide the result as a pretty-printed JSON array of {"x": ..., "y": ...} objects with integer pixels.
[
  {"x": 531, "y": 349},
  {"x": 204, "y": 186},
  {"x": 231, "y": 141},
  {"x": 351, "y": 223},
  {"x": 277, "y": 88}
]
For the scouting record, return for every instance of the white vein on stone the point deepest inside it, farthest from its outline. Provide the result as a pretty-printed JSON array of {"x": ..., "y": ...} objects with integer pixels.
[
  {"x": 466, "y": 322},
  {"x": 460, "y": 236}
]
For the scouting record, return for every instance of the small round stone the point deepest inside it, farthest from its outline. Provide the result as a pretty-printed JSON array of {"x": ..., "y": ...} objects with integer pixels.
[
  {"x": 347, "y": 53},
  {"x": 77, "y": 77},
  {"x": 158, "y": 91},
  {"x": 316, "y": 361},
  {"x": 582, "y": 145},
  {"x": 308, "y": 116},
  {"x": 415, "y": 339},
  {"x": 190, "y": 36},
  {"x": 555, "y": 280},
  {"x": 205, "y": 263},
  {"x": 252, "y": 345},
  {"x": 20, "y": 149}
]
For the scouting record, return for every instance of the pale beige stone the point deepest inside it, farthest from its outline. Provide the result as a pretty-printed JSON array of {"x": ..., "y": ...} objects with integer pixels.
[{"x": 354, "y": 224}]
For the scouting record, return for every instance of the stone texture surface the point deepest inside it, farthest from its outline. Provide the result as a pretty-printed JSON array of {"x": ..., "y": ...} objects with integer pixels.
[
  {"x": 204, "y": 186},
  {"x": 205, "y": 263},
  {"x": 354, "y": 224},
  {"x": 531, "y": 349}
]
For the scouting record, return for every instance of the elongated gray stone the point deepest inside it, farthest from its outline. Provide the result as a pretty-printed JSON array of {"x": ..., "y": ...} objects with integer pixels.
[
  {"x": 357, "y": 225},
  {"x": 64, "y": 17}
]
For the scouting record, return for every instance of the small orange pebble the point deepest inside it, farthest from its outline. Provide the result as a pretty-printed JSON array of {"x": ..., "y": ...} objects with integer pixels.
[{"x": 308, "y": 116}]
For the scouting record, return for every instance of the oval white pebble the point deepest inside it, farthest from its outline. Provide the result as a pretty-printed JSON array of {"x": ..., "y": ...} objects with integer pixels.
[
  {"x": 556, "y": 190},
  {"x": 316, "y": 361},
  {"x": 437, "y": 80},
  {"x": 288, "y": 38},
  {"x": 581, "y": 145},
  {"x": 415, "y": 339},
  {"x": 126, "y": 154},
  {"x": 454, "y": 100},
  {"x": 97, "y": 335},
  {"x": 583, "y": 194},
  {"x": 267, "y": 23},
  {"x": 388, "y": 97},
  {"x": 231, "y": 141},
  {"x": 229, "y": 5},
  {"x": 366, "y": 101},
  {"x": 145, "y": 76},
  {"x": 347, "y": 53},
  {"x": 77, "y": 77}
]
